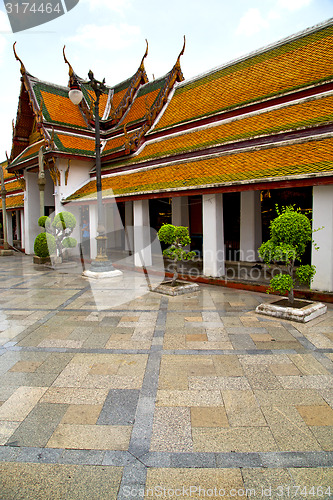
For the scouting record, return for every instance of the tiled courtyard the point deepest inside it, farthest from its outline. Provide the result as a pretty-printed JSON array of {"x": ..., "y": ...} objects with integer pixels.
[{"x": 110, "y": 391}]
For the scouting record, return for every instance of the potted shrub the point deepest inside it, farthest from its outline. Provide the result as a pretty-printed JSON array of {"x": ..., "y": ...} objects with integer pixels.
[
  {"x": 44, "y": 246},
  {"x": 177, "y": 237},
  {"x": 60, "y": 230},
  {"x": 290, "y": 233}
]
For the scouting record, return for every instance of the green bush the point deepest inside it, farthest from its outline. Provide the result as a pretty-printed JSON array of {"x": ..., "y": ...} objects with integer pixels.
[
  {"x": 44, "y": 221},
  {"x": 290, "y": 233},
  {"x": 69, "y": 242},
  {"x": 64, "y": 220},
  {"x": 177, "y": 237},
  {"x": 45, "y": 245}
]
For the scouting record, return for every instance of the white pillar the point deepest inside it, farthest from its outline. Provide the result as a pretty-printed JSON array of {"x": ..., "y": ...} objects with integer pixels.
[
  {"x": 31, "y": 211},
  {"x": 129, "y": 239},
  {"x": 93, "y": 230},
  {"x": 142, "y": 243},
  {"x": 250, "y": 225},
  {"x": 180, "y": 211},
  {"x": 22, "y": 229},
  {"x": 213, "y": 235},
  {"x": 113, "y": 226},
  {"x": 18, "y": 224},
  {"x": 10, "y": 238},
  {"x": 322, "y": 216}
]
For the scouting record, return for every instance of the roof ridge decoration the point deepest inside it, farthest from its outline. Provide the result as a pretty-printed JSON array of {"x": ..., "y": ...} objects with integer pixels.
[
  {"x": 140, "y": 76},
  {"x": 19, "y": 142},
  {"x": 174, "y": 75},
  {"x": 75, "y": 79}
]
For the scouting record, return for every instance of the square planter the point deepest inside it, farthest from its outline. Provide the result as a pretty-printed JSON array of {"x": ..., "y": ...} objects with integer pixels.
[
  {"x": 180, "y": 288},
  {"x": 303, "y": 310}
]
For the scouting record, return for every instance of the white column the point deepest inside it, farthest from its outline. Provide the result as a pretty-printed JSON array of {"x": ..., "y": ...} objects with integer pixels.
[
  {"x": 93, "y": 230},
  {"x": 129, "y": 239},
  {"x": 213, "y": 235},
  {"x": 250, "y": 225},
  {"x": 10, "y": 238},
  {"x": 322, "y": 216},
  {"x": 31, "y": 211},
  {"x": 180, "y": 211},
  {"x": 22, "y": 229},
  {"x": 113, "y": 226},
  {"x": 142, "y": 243},
  {"x": 18, "y": 224}
]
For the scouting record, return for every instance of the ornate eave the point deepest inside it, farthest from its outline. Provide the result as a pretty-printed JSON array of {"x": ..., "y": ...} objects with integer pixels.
[
  {"x": 138, "y": 79},
  {"x": 176, "y": 75},
  {"x": 29, "y": 116}
]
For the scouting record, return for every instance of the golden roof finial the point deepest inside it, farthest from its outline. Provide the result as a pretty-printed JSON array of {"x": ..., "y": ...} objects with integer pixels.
[
  {"x": 181, "y": 53},
  {"x": 146, "y": 53},
  {"x": 23, "y": 70},
  {"x": 71, "y": 72}
]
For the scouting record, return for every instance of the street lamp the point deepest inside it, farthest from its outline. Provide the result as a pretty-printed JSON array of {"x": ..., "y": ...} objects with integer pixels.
[{"x": 101, "y": 266}]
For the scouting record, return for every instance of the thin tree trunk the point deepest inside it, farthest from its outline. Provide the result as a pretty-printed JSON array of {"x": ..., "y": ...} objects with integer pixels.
[{"x": 175, "y": 272}]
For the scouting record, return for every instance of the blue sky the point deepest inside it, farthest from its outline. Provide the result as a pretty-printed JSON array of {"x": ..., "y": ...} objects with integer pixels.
[{"x": 108, "y": 36}]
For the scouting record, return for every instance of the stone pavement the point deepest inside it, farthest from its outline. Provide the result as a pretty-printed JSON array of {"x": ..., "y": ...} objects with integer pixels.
[{"x": 110, "y": 391}]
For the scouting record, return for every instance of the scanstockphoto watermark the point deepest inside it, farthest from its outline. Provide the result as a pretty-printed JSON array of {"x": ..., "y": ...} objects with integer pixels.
[
  {"x": 267, "y": 491},
  {"x": 23, "y": 14}
]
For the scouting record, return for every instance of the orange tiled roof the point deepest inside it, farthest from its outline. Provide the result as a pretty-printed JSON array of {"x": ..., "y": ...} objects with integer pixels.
[
  {"x": 283, "y": 161},
  {"x": 75, "y": 144},
  {"x": 58, "y": 108},
  {"x": 13, "y": 186},
  {"x": 291, "y": 117},
  {"x": 297, "y": 63},
  {"x": 15, "y": 201},
  {"x": 28, "y": 153}
]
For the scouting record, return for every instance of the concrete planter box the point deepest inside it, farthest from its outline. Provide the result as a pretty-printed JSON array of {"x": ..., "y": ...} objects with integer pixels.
[
  {"x": 180, "y": 288},
  {"x": 301, "y": 313},
  {"x": 41, "y": 260}
]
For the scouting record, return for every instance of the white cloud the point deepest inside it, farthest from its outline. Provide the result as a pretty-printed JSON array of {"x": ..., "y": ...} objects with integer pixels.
[
  {"x": 116, "y": 36},
  {"x": 251, "y": 23},
  {"x": 4, "y": 27},
  {"x": 293, "y": 4},
  {"x": 118, "y": 6}
]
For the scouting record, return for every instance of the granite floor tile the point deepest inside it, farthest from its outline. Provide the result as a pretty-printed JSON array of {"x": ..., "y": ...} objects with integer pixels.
[
  {"x": 91, "y": 437},
  {"x": 20, "y": 403},
  {"x": 233, "y": 439},
  {"x": 289, "y": 429},
  {"x": 188, "y": 398},
  {"x": 324, "y": 436},
  {"x": 119, "y": 407},
  {"x": 172, "y": 430},
  {"x": 38, "y": 426},
  {"x": 320, "y": 478},
  {"x": 59, "y": 481},
  {"x": 209, "y": 417},
  {"x": 82, "y": 414},
  {"x": 196, "y": 482},
  {"x": 242, "y": 409},
  {"x": 316, "y": 415}
]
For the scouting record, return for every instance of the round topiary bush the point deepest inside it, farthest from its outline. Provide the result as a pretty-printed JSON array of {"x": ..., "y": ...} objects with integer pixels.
[
  {"x": 64, "y": 220},
  {"x": 44, "y": 245},
  {"x": 44, "y": 221},
  {"x": 69, "y": 242}
]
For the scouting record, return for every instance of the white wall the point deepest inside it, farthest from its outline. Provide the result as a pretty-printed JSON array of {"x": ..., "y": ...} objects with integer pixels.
[
  {"x": 31, "y": 211},
  {"x": 323, "y": 217},
  {"x": 213, "y": 235}
]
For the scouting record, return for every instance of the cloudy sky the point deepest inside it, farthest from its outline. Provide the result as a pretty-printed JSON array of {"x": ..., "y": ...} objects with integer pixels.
[{"x": 108, "y": 36}]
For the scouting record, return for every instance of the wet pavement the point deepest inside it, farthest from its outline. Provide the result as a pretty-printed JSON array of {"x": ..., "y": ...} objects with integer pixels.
[{"x": 110, "y": 391}]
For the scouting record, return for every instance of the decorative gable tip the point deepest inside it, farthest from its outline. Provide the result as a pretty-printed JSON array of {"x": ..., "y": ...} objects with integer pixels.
[
  {"x": 177, "y": 65},
  {"x": 23, "y": 70},
  {"x": 142, "y": 66}
]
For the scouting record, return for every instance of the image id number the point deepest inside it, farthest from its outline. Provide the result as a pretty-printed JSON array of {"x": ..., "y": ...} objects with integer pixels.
[{"x": 32, "y": 8}]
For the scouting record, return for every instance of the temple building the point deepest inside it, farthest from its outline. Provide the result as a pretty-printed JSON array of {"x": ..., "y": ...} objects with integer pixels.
[{"x": 214, "y": 153}]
